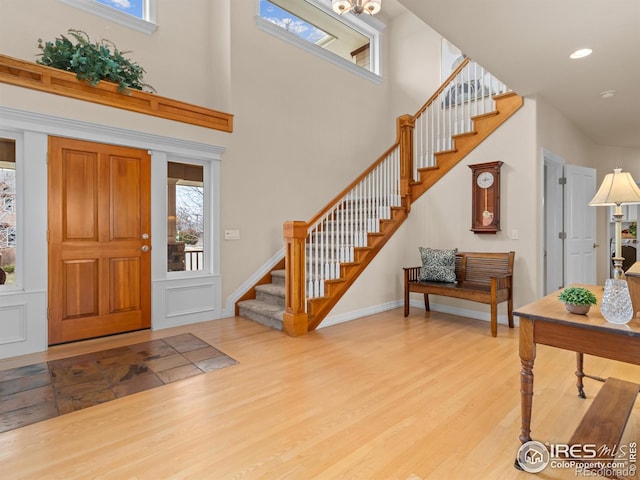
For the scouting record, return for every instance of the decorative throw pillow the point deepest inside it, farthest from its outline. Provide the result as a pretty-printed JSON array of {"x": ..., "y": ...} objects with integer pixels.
[{"x": 438, "y": 265}]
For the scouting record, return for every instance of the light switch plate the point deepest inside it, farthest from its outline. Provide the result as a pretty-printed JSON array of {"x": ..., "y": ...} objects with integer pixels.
[{"x": 232, "y": 234}]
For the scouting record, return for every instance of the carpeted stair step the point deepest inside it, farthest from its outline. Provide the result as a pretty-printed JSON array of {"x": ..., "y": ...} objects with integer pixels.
[
  {"x": 277, "y": 277},
  {"x": 271, "y": 293},
  {"x": 262, "y": 312}
]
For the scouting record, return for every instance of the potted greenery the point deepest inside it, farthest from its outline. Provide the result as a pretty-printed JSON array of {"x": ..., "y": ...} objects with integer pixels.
[
  {"x": 577, "y": 299},
  {"x": 92, "y": 61}
]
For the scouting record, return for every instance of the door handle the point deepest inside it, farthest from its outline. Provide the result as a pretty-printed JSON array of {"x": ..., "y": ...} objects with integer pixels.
[
  {"x": 145, "y": 236},
  {"x": 144, "y": 248}
]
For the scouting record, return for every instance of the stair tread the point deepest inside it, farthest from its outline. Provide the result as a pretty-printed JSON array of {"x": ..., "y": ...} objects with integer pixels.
[
  {"x": 261, "y": 303},
  {"x": 264, "y": 307},
  {"x": 262, "y": 312},
  {"x": 271, "y": 289}
]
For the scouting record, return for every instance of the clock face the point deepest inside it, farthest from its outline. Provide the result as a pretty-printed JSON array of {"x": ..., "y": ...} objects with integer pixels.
[{"x": 485, "y": 180}]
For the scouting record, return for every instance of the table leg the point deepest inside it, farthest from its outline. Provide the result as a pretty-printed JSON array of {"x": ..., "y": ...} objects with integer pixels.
[
  {"x": 580, "y": 374},
  {"x": 527, "y": 358}
]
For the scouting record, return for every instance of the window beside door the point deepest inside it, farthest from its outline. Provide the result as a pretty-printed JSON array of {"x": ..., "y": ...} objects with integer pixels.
[
  {"x": 8, "y": 207},
  {"x": 185, "y": 217}
]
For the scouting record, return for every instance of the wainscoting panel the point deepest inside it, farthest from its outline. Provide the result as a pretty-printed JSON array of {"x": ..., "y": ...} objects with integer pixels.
[
  {"x": 23, "y": 324},
  {"x": 186, "y": 300},
  {"x": 13, "y": 327}
]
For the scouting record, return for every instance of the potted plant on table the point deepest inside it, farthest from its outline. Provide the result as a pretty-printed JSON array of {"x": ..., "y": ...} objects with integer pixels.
[{"x": 577, "y": 299}]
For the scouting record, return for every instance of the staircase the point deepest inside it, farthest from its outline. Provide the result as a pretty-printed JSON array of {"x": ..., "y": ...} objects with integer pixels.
[
  {"x": 267, "y": 307},
  {"x": 325, "y": 255}
]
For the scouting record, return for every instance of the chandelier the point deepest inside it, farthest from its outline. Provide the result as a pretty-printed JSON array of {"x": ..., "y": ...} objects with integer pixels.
[{"x": 357, "y": 6}]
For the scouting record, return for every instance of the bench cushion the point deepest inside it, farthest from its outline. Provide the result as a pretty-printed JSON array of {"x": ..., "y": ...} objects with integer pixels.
[{"x": 438, "y": 265}]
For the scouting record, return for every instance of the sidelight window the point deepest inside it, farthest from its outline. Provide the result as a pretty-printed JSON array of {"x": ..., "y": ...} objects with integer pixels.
[
  {"x": 185, "y": 217},
  {"x": 8, "y": 208}
]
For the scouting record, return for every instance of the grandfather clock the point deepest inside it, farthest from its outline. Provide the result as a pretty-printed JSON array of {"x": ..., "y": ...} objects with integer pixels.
[{"x": 485, "y": 198}]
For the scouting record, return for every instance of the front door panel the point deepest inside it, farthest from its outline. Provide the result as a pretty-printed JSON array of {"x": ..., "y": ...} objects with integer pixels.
[{"x": 99, "y": 263}]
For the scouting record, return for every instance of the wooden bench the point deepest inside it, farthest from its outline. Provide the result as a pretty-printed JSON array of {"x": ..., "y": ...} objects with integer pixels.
[{"x": 480, "y": 277}]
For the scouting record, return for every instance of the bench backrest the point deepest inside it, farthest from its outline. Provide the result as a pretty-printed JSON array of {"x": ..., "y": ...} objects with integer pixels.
[{"x": 479, "y": 267}]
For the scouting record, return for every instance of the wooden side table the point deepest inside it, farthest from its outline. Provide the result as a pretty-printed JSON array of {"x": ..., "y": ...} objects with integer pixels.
[{"x": 546, "y": 321}]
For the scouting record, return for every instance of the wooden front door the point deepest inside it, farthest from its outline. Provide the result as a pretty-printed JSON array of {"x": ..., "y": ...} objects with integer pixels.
[{"x": 99, "y": 239}]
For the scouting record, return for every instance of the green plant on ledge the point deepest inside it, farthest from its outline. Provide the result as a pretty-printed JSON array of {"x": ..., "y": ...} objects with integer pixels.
[
  {"x": 577, "y": 296},
  {"x": 92, "y": 61}
]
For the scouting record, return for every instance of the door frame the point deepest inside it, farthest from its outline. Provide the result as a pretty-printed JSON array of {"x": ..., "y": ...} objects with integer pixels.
[
  {"x": 553, "y": 223},
  {"x": 175, "y": 300},
  {"x": 554, "y": 249}
]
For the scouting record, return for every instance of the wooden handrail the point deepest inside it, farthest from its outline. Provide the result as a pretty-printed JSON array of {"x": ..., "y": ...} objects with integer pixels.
[
  {"x": 443, "y": 87},
  {"x": 349, "y": 187},
  {"x": 31, "y": 75}
]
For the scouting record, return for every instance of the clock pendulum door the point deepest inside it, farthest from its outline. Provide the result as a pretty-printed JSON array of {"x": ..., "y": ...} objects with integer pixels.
[{"x": 487, "y": 216}]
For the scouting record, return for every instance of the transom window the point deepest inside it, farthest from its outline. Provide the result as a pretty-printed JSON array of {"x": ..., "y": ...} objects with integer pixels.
[
  {"x": 347, "y": 40},
  {"x": 132, "y": 7}
]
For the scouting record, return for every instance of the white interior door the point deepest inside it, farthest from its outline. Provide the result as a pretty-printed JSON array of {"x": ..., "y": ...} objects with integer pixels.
[
  {"x": 553, "y": 225},
  {"x": 580, "y": 225}
]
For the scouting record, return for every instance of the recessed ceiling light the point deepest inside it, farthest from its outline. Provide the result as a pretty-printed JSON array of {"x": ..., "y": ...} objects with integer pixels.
[
  {"x": 607, "y": 94},
  {"x": 583, "y": 52}
]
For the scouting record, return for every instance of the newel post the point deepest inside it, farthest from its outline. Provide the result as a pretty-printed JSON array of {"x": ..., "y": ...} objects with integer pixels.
[
  {"x": 295, "y": 316},
  {"x": 405, "y": 136}
]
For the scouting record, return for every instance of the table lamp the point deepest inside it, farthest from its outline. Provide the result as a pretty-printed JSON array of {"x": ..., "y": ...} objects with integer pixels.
[{"x": 617, "y": 189}]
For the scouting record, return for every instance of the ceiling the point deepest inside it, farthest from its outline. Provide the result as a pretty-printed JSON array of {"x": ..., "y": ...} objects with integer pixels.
[{"x": 526, "y": 44}]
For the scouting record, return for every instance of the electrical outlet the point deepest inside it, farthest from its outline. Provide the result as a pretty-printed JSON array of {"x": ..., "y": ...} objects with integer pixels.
[
  {"x": 232, "y": 234},
  {"x": 514, "y": 234}
]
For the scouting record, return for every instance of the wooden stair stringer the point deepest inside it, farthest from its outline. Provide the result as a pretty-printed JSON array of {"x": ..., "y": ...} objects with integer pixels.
[
  {"x": 506, "y": 105},
  {"x": 319, "y": 308}
]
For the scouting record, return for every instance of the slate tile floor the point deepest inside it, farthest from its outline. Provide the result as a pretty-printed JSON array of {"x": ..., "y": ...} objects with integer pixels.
[{"x": 44, "y": 390}]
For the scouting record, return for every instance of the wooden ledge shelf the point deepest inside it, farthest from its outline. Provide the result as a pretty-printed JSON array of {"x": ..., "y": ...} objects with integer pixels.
[{"x": 46, "y": 79}]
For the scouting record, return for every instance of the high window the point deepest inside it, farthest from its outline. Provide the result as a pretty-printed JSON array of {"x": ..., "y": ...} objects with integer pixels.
[
  {"x": 132, "y": 7},
  {"x": 8, "y": 209},
  {"x": 137, "y": 14},
  {"x": 349, "y": 41}
]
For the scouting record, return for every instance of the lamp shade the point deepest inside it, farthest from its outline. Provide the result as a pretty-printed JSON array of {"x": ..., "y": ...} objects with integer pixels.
[{"x": 618, "y": 188}]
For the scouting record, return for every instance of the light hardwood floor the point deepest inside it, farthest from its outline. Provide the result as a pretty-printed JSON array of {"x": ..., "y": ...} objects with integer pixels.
[{"x": 432, "y": 396}]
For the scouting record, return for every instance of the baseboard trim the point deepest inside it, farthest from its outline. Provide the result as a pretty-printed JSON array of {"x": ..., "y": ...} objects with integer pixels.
[
  {"x": 462, "y": 312},
  {"x": 355, "y": 314},
  {"x": 436, "y": 307}
]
